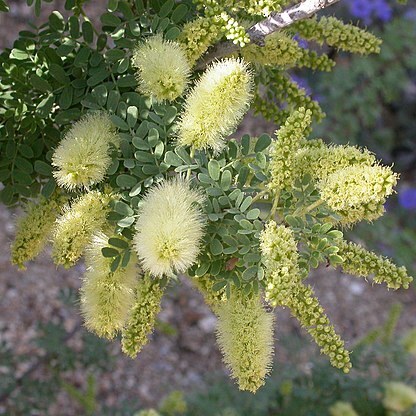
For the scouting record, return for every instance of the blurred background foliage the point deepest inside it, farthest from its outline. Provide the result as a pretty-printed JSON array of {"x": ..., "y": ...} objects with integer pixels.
[{"x": 382, "y": 361}]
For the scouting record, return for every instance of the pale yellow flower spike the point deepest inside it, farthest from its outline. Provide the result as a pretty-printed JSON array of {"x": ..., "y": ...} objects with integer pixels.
[
  {"x": 216, "y": 105},
  {"x": 76, "y": 226},
  {"x": 82, "y": 158},
  {"x": 245, "y": 336},
  {"x": 169, "y": 229},
  {"x": 33, "y": 229},
  {"x": 358, "y": 192},
  {"x": 106, "y": 296},
  {"x": 163, "y": 69}
]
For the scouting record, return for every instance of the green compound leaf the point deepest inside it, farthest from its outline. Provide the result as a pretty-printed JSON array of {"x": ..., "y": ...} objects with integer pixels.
[
  {"x": 214, "y": 169},
  {"x": 263, "y": 142},
  {"x": 123, "y": 209},
  {"x": 109, "y": 252},
  {"x": 117, "y": 242},
  {"x": 39, "y": 83}
]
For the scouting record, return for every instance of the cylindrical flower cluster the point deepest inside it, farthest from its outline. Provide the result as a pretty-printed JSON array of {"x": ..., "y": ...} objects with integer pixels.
[
  {"x": 75, "y": 227},
  {"x": 163, "y": 69},
  {"x": 215, "y": 105},
  {"x": 83, "y": 156},
  {"x": 106, "y": 296},
  {"x": 142, "y": 317},
  {"x": 245, "y": 336},
  {"x": 169, "y": 229}
]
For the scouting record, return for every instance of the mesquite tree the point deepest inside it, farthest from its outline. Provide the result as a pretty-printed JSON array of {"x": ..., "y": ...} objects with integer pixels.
[{"x": 118, "y": 140}]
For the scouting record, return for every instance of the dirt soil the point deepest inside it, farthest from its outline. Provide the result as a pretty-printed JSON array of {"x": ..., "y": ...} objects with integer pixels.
[{"x": 181, "y": 361}]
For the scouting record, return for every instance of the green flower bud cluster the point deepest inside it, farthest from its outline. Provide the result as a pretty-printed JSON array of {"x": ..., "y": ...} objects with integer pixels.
[
  {"x": 142, "y": 316},
  {"x": 335, "y": 33},
  {"x": 280, "y": 256},
  {"x": 283, "y": 51},
  {"x": 311, "y": 59},
  {"x": 210, "y": 7},
  {"x": 33, "y": 229},
  {"x": 279, "y": 50},
  {"x": 358, "y": 192},
  {"x": 230, "y": 27},
  {"x": 284, "y": 287},
  {"x": 307, "y": 309},
  {"x": 106, "y": 296},
  {"x": 245, "y": 336},
  {"x": 253, "y": 7},
  {"x": 342, "y": 409},
  {"x": 281, "y": 89},
  {"x": 233, "y": 30},
  {"x": 360, "y": 262},
  {"x": 198, "y": 35},
  {"x": 290, "y": 138},
  {"x": 76, "y": 226}
]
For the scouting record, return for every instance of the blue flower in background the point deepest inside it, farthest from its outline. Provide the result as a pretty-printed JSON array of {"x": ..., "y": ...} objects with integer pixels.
[
  {"x": 301, "y": 42},
  {"x": 369, "y": 10},
  {"x": 410, "y": 14},
  {"x": 302, "y": 82},
  {"x": 407, "y": 198}
]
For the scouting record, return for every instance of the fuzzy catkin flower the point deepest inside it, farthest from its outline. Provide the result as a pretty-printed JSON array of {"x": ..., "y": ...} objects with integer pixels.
[
  {"x": 142, "y": 317},
  {"x": 360, "y": 262},
  {"x": 76, "y": 226},
  {"x": 398, "y": 396},
  {"x": 83, "y": 156},
  {"x": 306, "y": 308},
  {"x": 280, "y": 256},
  {"x": 169, "y": 229},
  {"x": 198, "y": 35},
  {"x": 106, "y": 296},
  {"x": 290, "y": 138},
  {"x": 342, "y": 409},
  {"x": 34, "y": 228},
  {"x": 163, "y": 69},
  {"x": 215, "y": 105},
  {"x": 245, "y": 337}
]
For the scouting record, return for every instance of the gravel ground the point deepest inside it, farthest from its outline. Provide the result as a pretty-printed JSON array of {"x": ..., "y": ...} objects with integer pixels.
[{"x": 181, "y": 361}]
